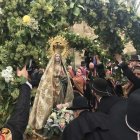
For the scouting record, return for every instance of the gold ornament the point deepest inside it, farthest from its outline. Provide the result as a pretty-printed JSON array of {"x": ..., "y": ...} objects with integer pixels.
[{"x": 58, "y": 45}]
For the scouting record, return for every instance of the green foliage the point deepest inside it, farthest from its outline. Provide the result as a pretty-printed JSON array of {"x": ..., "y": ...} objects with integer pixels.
[
  {"x": 22, "y": 38},
  {"x": 79, "y": 43}
]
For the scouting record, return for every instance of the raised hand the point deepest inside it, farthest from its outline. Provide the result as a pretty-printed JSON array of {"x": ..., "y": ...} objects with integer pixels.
[
  {"x": 118, "y": 58},
  {"x": 22, "y": 72}
]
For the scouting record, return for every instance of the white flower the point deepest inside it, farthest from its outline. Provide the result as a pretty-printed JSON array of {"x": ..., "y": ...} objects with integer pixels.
[
  {"x": 9, "y": 69},
  {"x": 1, "y": 13},
  {"x": 33, "y": 24},
  {"x": 7, "y": 74},
  {"x": 12, "y": 79},
  {"x": 4, "y": 73},
  {"x": 53, "y": 115},
  {"x": 7, "y": 79},
  {"x": 49, "y": 120},
  {"x": 64, "y": 109},
  {"x": 115, "y": 67}
]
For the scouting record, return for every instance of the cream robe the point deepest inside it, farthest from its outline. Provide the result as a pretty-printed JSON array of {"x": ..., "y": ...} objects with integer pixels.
[{"x": 49, "y": 93}]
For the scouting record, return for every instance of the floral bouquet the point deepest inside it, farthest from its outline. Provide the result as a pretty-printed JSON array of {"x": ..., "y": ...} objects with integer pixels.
[{"x": 57, "y": 121}]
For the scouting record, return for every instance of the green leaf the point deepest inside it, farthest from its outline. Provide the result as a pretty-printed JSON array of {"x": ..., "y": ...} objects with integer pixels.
[
  {"x": 32, "y": 34},
  {"x": 93, "y": 14},
  {"x": 76, "y": 11},
  {"x": 7, "y": 105},
  {"x": 82, "y": 1},
  {"x": 15, "y": 94},
  {"x": 23, "y": 80},
  {"x": 2, "y": 86},
  {"x": 51, "y": 24},
  {"x": 80, "y": 6},
  {"x": 88, "y": 1},
  {"x": 72, "y": 5}
]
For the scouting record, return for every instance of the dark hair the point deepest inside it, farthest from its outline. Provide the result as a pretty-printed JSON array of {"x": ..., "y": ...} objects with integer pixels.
[
  {"x": 83, "y": 63},
  {"x": 81, "y": 70}
]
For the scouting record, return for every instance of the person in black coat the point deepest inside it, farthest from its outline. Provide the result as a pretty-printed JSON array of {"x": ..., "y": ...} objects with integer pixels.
[
  {"x": 104, "y": 99},
  {"x": 86, "y": 125},
  {"x": 16, "y": 125},
  {"x": 133, "y": 76},
  {"x": 125, "y": 118}
]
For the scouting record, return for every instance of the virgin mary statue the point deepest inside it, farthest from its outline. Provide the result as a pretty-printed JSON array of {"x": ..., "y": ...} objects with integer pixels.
[{"x": 54, "y": 88}]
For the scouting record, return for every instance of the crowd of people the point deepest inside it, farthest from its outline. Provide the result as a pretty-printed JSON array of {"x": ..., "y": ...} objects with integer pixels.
[
  {"x": 107, "y": 110},
  {"x": 104, "y": 109}
]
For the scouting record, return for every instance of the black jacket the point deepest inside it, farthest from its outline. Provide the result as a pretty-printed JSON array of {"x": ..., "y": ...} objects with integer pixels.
[
  {"x": 130, "y": 75},
  {"x": 106, "y": 103},
  {"x": 118, "y": 128},
  {"x": 88, "y": 126},
  {"x": 100, "y": 70},
  {"x": 19, "y": 119}
]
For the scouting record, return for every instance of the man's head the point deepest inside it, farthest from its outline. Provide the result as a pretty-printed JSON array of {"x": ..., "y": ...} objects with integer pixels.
[
  {"x": 136, "y": 71},
  {"x": 135, "y": 59},
  {"x": 79, "y": 104},
  {"x": 100, "y": 87},
  {"x": 91, "y": 65},
  {"x": 79, "y": 72}
]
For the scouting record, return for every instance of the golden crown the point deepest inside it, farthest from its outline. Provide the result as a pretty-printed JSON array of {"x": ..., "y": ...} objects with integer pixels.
[{"x": 59, "y": 45}]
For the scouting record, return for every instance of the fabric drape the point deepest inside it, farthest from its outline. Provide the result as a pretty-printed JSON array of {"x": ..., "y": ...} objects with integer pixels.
[{"x": 52, "y": 90}]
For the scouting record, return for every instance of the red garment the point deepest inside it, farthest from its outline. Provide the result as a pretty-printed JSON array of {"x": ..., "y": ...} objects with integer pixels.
[
  {"x": 71, "y": 72},
  {"x": 79, "y": 83},
  {"x": 5, "y": 134},
  {"x": 2, "y": 137}
]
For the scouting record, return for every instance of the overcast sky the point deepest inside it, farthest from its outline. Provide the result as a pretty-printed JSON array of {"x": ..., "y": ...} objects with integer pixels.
[{"x": 139, "y": 6}]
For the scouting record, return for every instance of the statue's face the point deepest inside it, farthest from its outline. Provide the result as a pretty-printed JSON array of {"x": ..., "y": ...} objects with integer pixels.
[{"x": 57, "y": 58}]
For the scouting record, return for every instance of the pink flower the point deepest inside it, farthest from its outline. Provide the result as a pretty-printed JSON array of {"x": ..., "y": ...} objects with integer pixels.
[
  {"x": 59, "y": 106},
  {"x": 66, "y": 105},
  {"x": 62, "y": 125},
  {"x": 67, "y": 116}
]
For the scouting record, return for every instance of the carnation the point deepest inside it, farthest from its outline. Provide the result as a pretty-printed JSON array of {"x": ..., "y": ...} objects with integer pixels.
[
  {"x": 7, "y": 74},
  {"x": 4, "y": 73},
  {"x": 59, "y": 106},
  {"x": 53, "y": 115},
  {"x": 9, "y": 69}
]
